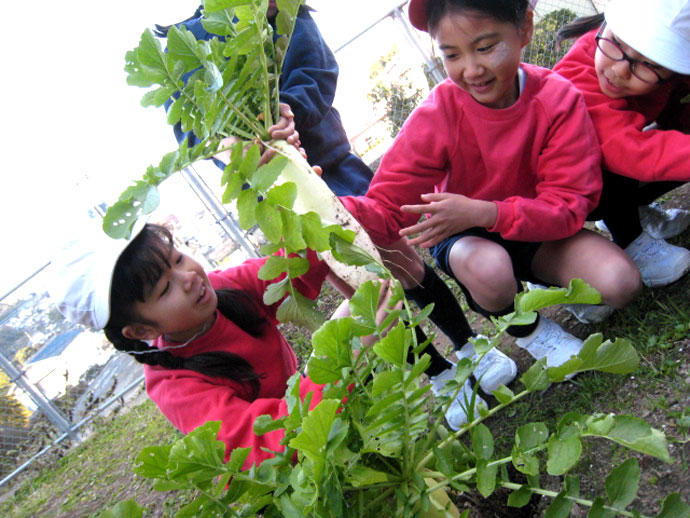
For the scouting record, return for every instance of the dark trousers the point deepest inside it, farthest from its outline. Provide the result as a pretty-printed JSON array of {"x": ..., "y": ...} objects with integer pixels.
[{"x": 620, "y": 198}]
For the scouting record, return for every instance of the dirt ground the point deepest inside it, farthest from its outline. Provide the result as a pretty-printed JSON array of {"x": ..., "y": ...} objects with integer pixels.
[{"x": 639, "y": 397}]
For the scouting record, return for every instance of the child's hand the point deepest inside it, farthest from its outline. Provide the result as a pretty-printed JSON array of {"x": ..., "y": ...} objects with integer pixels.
[{"x": 448, "y": 214}]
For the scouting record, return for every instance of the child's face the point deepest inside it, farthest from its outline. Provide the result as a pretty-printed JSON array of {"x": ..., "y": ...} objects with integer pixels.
[
  {"x": 482, "y": 55},
  {"x": 616, "y": 79},
  {"x": 182, "y": 302}
]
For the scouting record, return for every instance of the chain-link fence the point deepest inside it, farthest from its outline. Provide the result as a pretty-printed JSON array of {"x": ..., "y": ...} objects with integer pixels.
[{"x": 55, "y": 377}]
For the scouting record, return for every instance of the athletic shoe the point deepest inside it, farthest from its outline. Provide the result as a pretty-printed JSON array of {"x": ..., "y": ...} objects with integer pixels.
[
  {"x": 663, "y": 223},
  {"x": 456, "y": 415},
  {"x": 585, "y": 313},
  {"x": 494, "y": 369},
  {"x": 659, "y": 262},
  {"x": 550, "y": 341},
  {"x": 589, "y": 313}
]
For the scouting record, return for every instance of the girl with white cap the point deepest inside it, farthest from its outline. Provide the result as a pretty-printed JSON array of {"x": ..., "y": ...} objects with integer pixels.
[{"x": 632, "y": 64}]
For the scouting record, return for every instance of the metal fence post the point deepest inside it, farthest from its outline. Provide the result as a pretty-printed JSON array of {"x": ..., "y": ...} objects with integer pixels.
[{"x": 44, "y": 404}]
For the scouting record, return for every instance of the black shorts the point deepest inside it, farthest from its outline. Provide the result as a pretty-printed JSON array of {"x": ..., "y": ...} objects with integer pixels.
[{"x": 521, "y": 252}]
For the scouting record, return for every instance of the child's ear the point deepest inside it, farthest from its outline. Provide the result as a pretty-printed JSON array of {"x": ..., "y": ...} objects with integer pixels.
[
  {"x": 140, "y": 332},
  {"x": 527, "y": 28}
]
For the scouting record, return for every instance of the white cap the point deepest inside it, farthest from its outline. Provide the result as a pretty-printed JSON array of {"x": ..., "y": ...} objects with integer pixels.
[
  {"x": 657, "y": 29},
  {"x": 83, "y": 271}
]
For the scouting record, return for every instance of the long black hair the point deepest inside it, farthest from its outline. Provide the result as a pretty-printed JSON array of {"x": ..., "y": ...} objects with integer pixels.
[
  {"x": 139, "y": 267},
  {"x": 579, "y": 26},
  {"x": 512, "y": 11}
]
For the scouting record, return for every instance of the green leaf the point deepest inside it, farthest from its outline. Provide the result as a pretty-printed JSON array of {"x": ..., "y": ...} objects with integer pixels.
[
  {"x": 276, "y": 291},
  {"x": 520, "y": 498},
  {"x": 536, "y": 378},
  {"x": 199, "y": 455},
  {"x": 316, "y": 236},
  {"x": 300, "y": 310},
  {"x": 674, "y": 507},
  {"x": 274, "y": 266},
  {"x": 637, "y": 435},
  {"x": 528, "y": 437},
  {"x": 486, "y": 478},
  {"x": 125, "y": 509},
  {"x": 364, "y": 303},
  {"x": 560, "y": 507},
  {"x": 267, "y": 174},
  {"x": 393, "y": 347},
  {"x": 348, "y": 253},
  {"x": 269, "y": 220},
  {"x": 622, "y": 484},
  {"x": 237, "y": 459},
  {"x": 181, "y": 45},
  {"x": 503, "y": 394},
  {"x": 360, "y": 476},
  {"x": 618, "y": 357},
  {"x": 138, "y": 200},
  {"x": 578, "y": 292},
  {"x": 598, "y": 509},
  {"x": 316, "y": 428},
  {"x": 482, "y": 442},
  {"x": 564, "y": 453},
  {"x": 152, "y": 462},
  {"x": 246, "y": 207}
]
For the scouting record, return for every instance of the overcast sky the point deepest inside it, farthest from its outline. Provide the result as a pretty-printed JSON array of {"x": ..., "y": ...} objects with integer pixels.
[{"x": 73, "y": 132}]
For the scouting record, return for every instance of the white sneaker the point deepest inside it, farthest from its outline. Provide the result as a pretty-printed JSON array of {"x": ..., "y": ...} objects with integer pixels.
[
  {"x": 589, "y": 313},
  {"x": 456, "y": 415},
  {"x": 663, "y": 223},
  {"x": 494, "y": 369},
  {"x": 659, "y": 262},
  {"x": 550, "y": 341},
  {"x": 585, "y": 313}
]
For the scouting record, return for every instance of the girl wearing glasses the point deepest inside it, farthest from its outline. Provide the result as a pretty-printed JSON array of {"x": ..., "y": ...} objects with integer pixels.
[{"x": 632, "y": 64}]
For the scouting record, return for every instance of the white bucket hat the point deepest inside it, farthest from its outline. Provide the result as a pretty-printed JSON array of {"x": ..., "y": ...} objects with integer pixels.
[
  {"x": 83, "y": 271},
  {"x": 657, "y": 29}
]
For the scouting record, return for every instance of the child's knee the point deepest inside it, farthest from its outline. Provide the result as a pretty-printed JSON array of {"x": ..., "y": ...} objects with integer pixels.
[{"x": 622, "y": 283}]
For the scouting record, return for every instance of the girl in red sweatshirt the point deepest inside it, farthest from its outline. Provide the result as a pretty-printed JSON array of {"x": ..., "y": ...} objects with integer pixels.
[
  {"x": 503, "y": 159},
  {"x": 632, "y": 64}
]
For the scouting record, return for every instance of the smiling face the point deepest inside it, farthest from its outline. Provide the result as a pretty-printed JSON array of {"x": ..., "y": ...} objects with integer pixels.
[
  {"x": 616, "y": 79},
  {"x": 181, "y": 304},
  {"x": 482, "y": 54}
]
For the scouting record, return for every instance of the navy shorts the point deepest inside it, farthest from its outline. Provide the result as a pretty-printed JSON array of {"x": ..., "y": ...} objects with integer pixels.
[{"x": 521, "y": 252}]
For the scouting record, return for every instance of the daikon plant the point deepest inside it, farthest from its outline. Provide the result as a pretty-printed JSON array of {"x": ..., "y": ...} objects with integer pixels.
[{"x": 233, "y": 91}]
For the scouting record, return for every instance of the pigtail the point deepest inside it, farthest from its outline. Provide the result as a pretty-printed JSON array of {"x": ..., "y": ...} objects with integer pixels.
[
  {"x": 217, "y": 364},
  {"x": 579, "y": 26}
]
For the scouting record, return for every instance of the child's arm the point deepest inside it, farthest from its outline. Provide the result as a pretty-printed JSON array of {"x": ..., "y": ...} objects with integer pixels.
[
  {"x": 189, "y": 400},
  {"x": 448, "y": 214}
]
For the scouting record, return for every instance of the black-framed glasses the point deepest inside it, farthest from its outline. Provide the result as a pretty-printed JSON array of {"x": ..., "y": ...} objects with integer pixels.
[{"x": 645, "y": 72}]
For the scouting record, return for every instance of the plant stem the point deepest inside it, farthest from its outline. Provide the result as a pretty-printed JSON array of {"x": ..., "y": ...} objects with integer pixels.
[{"x": 582, "y": 501}]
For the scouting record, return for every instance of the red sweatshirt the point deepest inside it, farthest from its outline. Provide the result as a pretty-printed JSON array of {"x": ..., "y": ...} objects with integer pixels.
[
  {"x": 538, "y": 160},
  {"x": 189, "y": 399},
  {"x": 627, "y": 150}
]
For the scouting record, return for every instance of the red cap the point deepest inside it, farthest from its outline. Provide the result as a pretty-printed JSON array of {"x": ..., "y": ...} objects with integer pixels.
[{"x": 417, "y": 12}]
